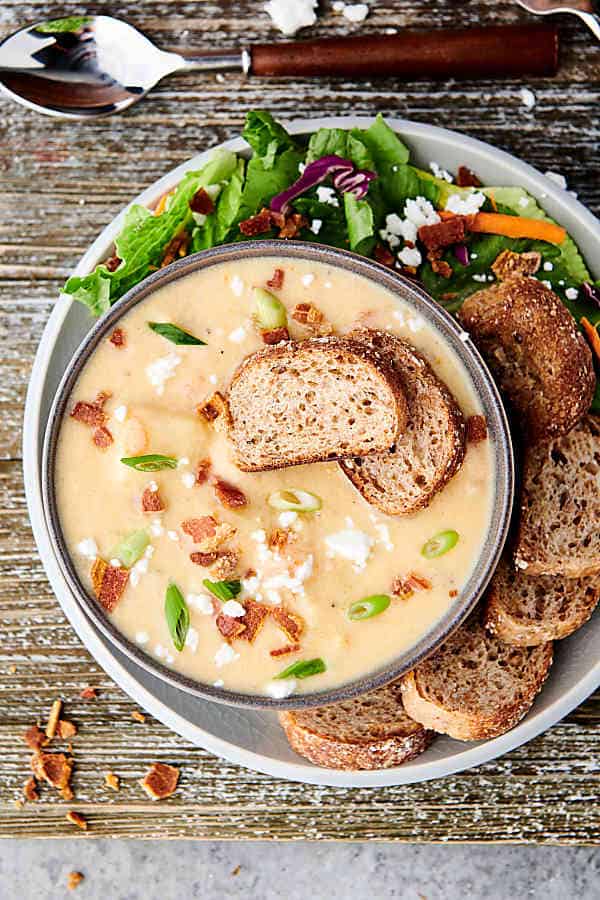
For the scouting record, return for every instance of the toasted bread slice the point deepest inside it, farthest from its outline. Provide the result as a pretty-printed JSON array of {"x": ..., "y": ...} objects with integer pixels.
[
  {"x": 559, "y": 528},
  {"x": 311, "y": 401},
  {"x": 428, "y": 453},
  {"x": 368, "y": 732},
  {"x": 527, "y": 610},
  {"x": 475, "y": 687},
  {"x": 531, "y": 343}
]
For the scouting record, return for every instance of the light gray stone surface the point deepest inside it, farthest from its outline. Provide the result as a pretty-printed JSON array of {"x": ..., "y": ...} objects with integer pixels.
[{"x": 186, "y": 870}]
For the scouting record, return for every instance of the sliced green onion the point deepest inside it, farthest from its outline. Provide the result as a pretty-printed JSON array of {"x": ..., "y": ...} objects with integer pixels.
[
  {"x": 303, "y": 669},
  {"x": 177, "y": 615},
  {"x": 440, "y": 543},
  {"x": 294, "y": 500},
  {"x": 269, "y": 311},
  {"x": 131, "y": 548},
  {"x": 368, "y": 607},
  {"x": 223, "y": 590},
  {"x": 152, "y": 462},
  {"x": 175, "y": 334}
]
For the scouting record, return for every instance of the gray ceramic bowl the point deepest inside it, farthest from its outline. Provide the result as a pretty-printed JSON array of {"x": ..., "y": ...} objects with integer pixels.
[{"x": 407, "y": 293}]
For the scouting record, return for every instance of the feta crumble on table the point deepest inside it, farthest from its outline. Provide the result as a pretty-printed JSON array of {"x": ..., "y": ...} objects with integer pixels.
[
  {"x": 440, "y": 173},
  {"x": 280, "y": 688},
  {"x": 350, "y": 544},
  {"x": 159, "y": 371},
  {"x": 327, "y": 195},
  {"x": 88, "y": 548},
  {"x": 355, "y": 12},
  {"x": 465, "y": 206},
  {"x": 225, "y": 655},
  {"x": 527, "y": 98},
  {"x": 289, "y": 16}
]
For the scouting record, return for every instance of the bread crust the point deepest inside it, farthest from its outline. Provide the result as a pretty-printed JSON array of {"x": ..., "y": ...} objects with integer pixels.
[
  {"x": 410, "y": 366},
  {"x": 530, "y": 340},
  {"x": 374, "y": 360}
]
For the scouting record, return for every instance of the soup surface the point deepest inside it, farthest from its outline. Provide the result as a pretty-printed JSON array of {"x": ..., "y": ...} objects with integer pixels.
[{"x": 343, "y": 552}]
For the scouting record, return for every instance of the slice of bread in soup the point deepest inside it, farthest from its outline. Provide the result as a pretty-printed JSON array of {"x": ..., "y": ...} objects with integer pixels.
[
  {"x": 431, "y": 449},
  {"x": 311, "y": 401}
]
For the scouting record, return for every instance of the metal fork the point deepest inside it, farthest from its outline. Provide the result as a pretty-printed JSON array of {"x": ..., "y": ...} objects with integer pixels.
[{"x": 585, "y": 9}]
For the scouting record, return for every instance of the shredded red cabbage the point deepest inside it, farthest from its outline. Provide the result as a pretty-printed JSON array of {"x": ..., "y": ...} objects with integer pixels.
[
  {"x": 591, "y": 292},
  {"x": 461, "y": 252},
  {"x": 346, "y": 179}
]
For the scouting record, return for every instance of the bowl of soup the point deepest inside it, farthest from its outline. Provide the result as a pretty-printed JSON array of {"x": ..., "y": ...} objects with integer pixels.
[{"x": 277, "y": 588}]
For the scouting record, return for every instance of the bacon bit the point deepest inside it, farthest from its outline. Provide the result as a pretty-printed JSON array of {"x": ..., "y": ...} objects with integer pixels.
[
  {"x": 279, "y": 538},
  {"x": 250, "y": 573},
  {"x": 275, "y": 336},
  {"x": 449, "y": 295},
  {"x": 453, "y": 593},
  {"x": 215, "y": 408},
  {"x": 466, "y": 178},
  {"x": 254, "y": 618},
  {"x": 177, "y": 247},
  {"x": 508, "y": 263},
  {"x": 30, "y": 791},
  {"x": 202, "y": 202},
  {"x": 439, "y": 266},
  {"x": 230, "y": 626},
  {"x": 200, "y": 529},
  {"x": 292, "y": 226},
  {"x": 312, "y": 318},
  {"x": 476, "y": 429},
  {"x": 151, "y": 501},
  {"x": 202, "y": 471},
  {"x": 89, "y": 693},
  {"x": 66, "y": 729},
  {"x": 88, "y": 413},
  {"x": 443, "y": 234},
  {"x": 258, "y": 224},
  {"x": 102, "y": 437},
  {"x": 73, "y": 880},
  {"x": 384, "y": 256},
  {"x": 404, "y": 587},
  {"x": 225, "y": 565},
  {"x": 77, "y": 819},
  {"x": 53, "y": 719},
  {"x": 117, "y": 338},
  {"x": 290, "y": 623},
  {"x": 35, "y": 738},
  {"x": 203, "y": 559},
  {"x": 113, "y": 263},
  {"x": 228, "y": 494},
  {"x": 418, "y": 582},
  {"x": 108, "y": 582},
  {"x": 276, "y": 279},
  {"x": 55, "y": 768},
  {"x": 160, "y": 781},
  {"x": 112, "y": 781},
  {"x": 283, "y": 651},
  {"x": 591, "y": 333},
  {"x": 138, "y": 716}
]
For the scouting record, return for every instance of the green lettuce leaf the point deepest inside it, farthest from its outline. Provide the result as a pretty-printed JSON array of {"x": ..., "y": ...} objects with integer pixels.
[
  {"x": 337, "y": 142},
  {"x": 360, "y": 220},
  {"x": 384, "y": 146},
  {"x": 266, "y": 136},
  {"x": 262, "y": 184}
]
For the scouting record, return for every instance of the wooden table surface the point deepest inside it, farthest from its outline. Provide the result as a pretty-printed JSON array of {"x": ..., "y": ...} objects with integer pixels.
[{"x": 61, "y": 183}]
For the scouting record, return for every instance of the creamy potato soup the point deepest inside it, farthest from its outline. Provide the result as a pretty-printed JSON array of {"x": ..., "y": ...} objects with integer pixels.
[{"x": 285, "y": 578}]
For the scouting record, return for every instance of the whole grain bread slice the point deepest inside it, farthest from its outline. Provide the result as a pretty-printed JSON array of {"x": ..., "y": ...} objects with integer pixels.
[
  {"x": 531, "y": 342},
  {"x": 527, "y": 610},
  {"x": 312, "y": 401},
  {"x": 431, "y": 449},
  {"x": 368, "y": 732},
  {"x": 559, "y": 527},
  {"x": 475, "y": 687}
]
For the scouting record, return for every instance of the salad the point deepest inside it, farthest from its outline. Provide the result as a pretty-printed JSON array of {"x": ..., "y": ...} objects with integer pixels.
[{"x": 357, "y": 190}]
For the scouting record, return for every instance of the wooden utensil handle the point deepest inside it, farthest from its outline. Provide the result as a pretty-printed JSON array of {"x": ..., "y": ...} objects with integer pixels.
[{"x": 466, "y": 53}]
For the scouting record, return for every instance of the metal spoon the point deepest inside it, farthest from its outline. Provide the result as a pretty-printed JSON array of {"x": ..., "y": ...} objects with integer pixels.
[
  {"x": 88, "y": 66},
  {"x": 585, "y": 9}
]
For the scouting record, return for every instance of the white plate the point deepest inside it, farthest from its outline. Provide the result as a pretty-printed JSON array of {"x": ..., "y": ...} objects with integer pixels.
[{"x": 253, "y": 738}]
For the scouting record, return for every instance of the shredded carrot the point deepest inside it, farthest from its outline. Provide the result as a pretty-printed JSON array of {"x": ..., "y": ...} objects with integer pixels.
[
  {"x": 591, "y": 332},
  {"x": 162, "y": 204},
  {"x": 511, "y": 226},
  {"x": 492, "y": 200}
]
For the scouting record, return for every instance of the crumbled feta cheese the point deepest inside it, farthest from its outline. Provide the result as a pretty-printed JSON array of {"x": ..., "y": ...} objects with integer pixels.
[
  {"x": 260, "y": 535},
  {"x": 474, "y": 255},
  {"x": 191, "y": 639},
  {"x": 237, "y": 285},
  {"x": 466, "y": 206},
  {"x": 142, "y": 637},
  {"x": 141, "y": 566},
  {"x": 149, "y": 551},
  {"x": 523, "y": 201},
  {"x": 115, "y": 563},
  {"x": 188, "y": 479},
  {"x": 159, "y": 651},
  {"x": 134, "y": 578},
  {"x": 481, "y": 277},
  {"x": 440, "y": 173},
  {"x": 307, "y": 279},
  {"x": 251, "y": 585},
  {"x": 287, "y": 518},
  {"x": 183, "y": 461},
  {"x": 219, "y": 683},
  {"x": 398, "y": 314},
  {"x": 238, "y": 335},
  {"x": 415, "y": 324},
  {"x": 156, "y": 528},
  {"x": 355, "y": 12},
  {"x": 280, "y": 688},
  {"x": 289, "y": 16},
  {"x": 410, "y": 256},
  {"x": 315, "y": 225},
  {"x": 153, "y": 487},
  {"x": 199, "y": 218},
  {"x": 169, "y": 659},
  {"x": 225, "y": 655},
  {"x": 420, "y": 212},
  {"x": 383, "y": 533},
  {"x": 557, "y": 178},
  {"x": 527, "y": 98},
  {"x": 120, "y": 413},
  {"x": 548, "y": 267},
  {"x": 213, "y": 379},
  {"x": 88, "y": 548},
  {"x": 301, "y": 168},
  {"x": 201, "y": 602},
  {"x": 352, "y": 545},
  {"x": 172, "y": 535},
  {"x": 327, "y": 195},
  {"x": 233, "y": 608},
  {"x": 395, "y": 228},
  {"x": 571, "y": 293},
  {"x": 327, "y": 284},
  {"x": 159, "y": 371}
]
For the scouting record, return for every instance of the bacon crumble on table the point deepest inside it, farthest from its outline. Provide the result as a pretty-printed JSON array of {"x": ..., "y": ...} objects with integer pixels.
[
  {"x": 77, "y": 819},
  {"x": 117, "y": 338},
  {"x": 108, "y": 582},
  {"x": 89, "y": 693},
  {"x": 276, "y": 280},
  {"x": 202, "y": 202},
  {"x": 152, "y": 501},
  {"x": 476, "y": 429},
  {"x": 66, "y": 729},
  {"x": 30, "y": 791},
  {"x": 54, "y": 768},
  {"x": 466, "y": 178},
  {"x": 35, "y": 738},
  {"x": 228, "y": 494},
  {"x": 74, "y": 879},
  {"x": 160, "y": 781}
]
